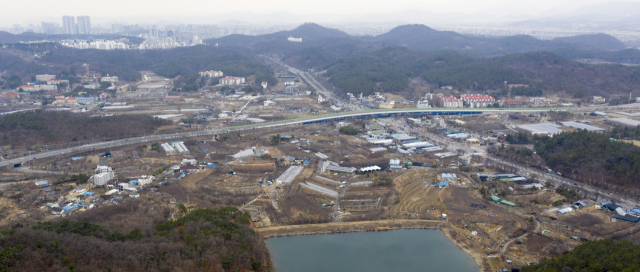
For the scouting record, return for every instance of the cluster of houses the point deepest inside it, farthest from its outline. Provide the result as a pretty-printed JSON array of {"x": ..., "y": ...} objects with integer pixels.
[{"x": 82, "y": 196}]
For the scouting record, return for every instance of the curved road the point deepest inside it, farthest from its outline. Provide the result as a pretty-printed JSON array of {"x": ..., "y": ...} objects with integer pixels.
[{"x": 285, "y": 123}]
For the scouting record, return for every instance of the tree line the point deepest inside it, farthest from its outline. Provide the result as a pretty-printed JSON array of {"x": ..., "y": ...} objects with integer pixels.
[{"x": 37, "y": 127}]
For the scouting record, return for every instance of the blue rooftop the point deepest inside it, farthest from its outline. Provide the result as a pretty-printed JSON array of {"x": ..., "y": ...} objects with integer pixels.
[{"x": 87, "y": 194}]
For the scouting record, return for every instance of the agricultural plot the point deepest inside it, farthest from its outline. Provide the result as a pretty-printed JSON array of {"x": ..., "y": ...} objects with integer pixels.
[
  {"x": 239, "y": 183},
  {"x": 254, "y": 168},
  {"x": 417, "y": 199},
  {"x": 319, "y": 189}
]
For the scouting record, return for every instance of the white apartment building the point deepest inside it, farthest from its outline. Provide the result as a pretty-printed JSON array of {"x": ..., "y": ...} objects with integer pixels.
[
  {"x": 423, "y": 104},
  {"x": 451, "y": 102},
  {"x": 211, "y": 74},
  {"x": 57, "y": 81},
  {"x": 45, "y": 77},
  {"x": 478, "y": 101},
  {"x": 232, "y": 80}
]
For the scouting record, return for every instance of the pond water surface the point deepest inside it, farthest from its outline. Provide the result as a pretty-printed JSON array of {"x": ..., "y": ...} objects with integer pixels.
[{"x": 399, "y": 250}]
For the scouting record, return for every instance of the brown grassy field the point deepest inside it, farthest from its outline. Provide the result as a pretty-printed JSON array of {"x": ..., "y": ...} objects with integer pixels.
[{"x": 254, "y": 168}]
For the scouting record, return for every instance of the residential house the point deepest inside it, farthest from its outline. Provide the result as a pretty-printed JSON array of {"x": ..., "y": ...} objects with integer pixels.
[
  {"x": 599, "y": 100},
  {"x": 189, "y": 168},
  {"x": 56, "y": 211},
  {"x": 342, "y": 124},
  {"x": 146, "y": 179},
  {"x": 80, "y": 189},
  {"x": 113, "y": 79}
]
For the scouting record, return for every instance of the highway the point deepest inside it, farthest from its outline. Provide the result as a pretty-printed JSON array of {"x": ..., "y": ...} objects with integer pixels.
[
  {"x": 311, "y": 81},
  {"x": 284, "y": 123}
]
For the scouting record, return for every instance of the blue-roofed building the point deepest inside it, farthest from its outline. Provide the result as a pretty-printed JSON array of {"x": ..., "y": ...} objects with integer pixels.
[
  {"x": 636, "y": 211},
  {"x": 68, "y": 208},
  {"x": 48, "y": 189},
  {"x": 42, "y": 183},
  {"x": 87, "y": 194},
  {"x": 442, "y": 184},
  {"x": 134, "y": 182}
]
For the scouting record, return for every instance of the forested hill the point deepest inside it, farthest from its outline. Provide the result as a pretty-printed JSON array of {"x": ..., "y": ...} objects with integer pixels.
[
  {"x": 126, "y": 64},
  {"x": 604, "y": 255},
  {"x": 141, "y": 239},
  {"x": 593, "y": 42},
  {"x": 388, "y": 69},
  {"x": 308, "y": 32}
]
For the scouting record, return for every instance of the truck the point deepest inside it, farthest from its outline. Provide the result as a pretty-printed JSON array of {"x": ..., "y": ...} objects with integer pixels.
[
  {"x": 549, "y": 171},
  {"x": 558, "y": 173}
]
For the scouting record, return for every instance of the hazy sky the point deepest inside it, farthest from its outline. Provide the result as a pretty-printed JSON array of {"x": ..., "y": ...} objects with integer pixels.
[{"x": 140, "y": 11}]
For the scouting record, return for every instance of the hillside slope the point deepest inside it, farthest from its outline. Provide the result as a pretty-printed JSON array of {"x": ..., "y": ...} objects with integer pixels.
[
  {"x": 126, "y": 64},
  {"x": 388, "y": 70}
]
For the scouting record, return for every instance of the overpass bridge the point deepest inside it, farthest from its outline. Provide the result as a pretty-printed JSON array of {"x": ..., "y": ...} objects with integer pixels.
[{"x": 376, "y": 113}]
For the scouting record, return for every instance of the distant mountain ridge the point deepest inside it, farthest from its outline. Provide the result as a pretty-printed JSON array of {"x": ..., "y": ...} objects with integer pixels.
[
  {"x": 421, "y": 37},
  {"x": 418, "y": 37}
]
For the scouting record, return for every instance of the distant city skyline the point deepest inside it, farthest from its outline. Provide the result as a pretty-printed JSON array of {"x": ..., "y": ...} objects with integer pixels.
[{"x": 197, "y": 12}]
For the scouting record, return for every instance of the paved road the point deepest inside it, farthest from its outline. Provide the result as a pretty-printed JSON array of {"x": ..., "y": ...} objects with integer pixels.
[
  {"x": 311, "y": 81},
  {"x": 285, "y": 123}
]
